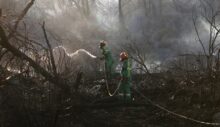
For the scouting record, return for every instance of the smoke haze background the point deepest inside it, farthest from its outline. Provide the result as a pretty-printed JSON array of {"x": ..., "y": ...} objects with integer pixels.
[{"x": 161, "y": 29}]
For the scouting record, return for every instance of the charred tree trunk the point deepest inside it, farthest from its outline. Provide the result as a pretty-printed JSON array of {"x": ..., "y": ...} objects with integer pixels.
[
  {"x": 217, "y": 62},
  {"x": 87, "y": 9},
  {"x": 146, "y": 10},
  {"x": 123, "y": 30},
  {"x": 161, "y": 7},
  {"x": 121, "y": 16},
  {"x": 0, "y": 12}
]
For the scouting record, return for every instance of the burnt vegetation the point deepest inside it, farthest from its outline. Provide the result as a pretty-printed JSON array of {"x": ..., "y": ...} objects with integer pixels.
[{"x": 173, "y": 44}]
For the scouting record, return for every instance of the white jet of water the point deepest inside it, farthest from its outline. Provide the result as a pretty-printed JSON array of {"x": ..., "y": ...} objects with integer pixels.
[{"x": 76, "y": 52}]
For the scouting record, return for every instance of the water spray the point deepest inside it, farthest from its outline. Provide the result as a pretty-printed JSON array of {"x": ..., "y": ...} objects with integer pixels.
[{"x": 76, "y": 52}]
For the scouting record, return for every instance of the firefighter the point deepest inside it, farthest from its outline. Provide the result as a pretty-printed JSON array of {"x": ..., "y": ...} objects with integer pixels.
[
  {"x": 125, "y": 83},
  {"x": 109, "y": 62}
]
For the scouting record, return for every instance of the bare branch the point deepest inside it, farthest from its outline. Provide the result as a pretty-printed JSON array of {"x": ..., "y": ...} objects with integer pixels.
[
  {"x": 24, "y": 12},
  {"x": 214, "y": 26},
  {"x": 197, "y": 33},
  {"x": 50, "y": 50},
  {"x": 55, "y": 80}
]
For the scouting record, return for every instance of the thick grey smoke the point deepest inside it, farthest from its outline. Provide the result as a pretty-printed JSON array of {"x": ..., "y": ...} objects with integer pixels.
[{"x": 160, "y": 28}]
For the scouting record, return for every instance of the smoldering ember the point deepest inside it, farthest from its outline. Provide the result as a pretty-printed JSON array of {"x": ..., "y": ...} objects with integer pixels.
[{"x": 109, "y": 63}]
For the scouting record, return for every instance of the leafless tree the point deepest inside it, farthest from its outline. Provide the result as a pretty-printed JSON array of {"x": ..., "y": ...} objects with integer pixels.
[{"x": 209, "y": 14}]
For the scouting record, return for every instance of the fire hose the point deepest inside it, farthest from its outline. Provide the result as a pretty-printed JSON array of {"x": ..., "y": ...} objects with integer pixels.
[
  {"x": 157, "y": 105},
  {"x": 107, "y": 84},
  {"x": 171, "y": 112}
]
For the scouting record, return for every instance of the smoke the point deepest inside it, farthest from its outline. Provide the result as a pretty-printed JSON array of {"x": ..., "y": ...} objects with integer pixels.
[{"x": 161, "y": 29}]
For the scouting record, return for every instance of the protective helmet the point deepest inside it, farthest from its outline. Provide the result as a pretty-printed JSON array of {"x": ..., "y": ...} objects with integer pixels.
[
  {"x": 102, "y": 44},
  {"x": 123, "y": 56}
]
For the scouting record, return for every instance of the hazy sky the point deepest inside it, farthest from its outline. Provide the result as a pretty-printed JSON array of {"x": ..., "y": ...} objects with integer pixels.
[{"x": 166, "y": 34}]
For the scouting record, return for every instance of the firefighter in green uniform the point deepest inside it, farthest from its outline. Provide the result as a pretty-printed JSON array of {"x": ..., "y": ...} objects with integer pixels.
[
  {"x": 109, "y": 62},
  {"x": 125, "y": 86}
]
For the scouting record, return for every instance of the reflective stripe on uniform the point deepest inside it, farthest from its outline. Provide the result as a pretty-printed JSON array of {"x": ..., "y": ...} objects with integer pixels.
[{"x": 121, "y": 94}]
